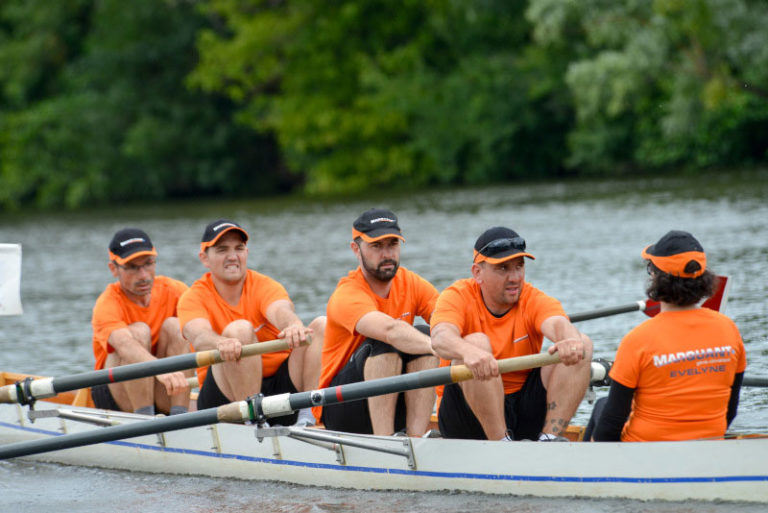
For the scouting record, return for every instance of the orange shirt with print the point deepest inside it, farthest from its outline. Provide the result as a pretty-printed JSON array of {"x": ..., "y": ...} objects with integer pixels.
[
  {"x": 516, "y": 333},
  {"x": 681, "y": 365},
  {"x": 410, "y": 296},
  {"x": 113, "y": 310},
  {"x": 259, "y": 291}
]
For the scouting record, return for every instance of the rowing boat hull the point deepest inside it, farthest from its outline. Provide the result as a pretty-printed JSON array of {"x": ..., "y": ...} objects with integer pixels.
[{"x": 732, "y": 470}]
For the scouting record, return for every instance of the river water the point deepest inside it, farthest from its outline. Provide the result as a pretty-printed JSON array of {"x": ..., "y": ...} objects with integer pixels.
[{"x": 587, "y": 238}]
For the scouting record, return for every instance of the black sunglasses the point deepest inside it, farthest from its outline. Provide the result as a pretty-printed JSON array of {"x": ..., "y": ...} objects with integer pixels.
[{"x": 502, "y": 245}]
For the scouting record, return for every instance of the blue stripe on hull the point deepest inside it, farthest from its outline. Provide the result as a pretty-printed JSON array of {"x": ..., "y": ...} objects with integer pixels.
[{"x": 442, "y": 475}]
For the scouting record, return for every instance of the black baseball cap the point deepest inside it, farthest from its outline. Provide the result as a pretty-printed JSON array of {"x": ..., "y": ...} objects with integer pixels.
[
  {"x": 499, "y": 244},
  {"x": 677, "y": 253},
  {"x": 216, "y": 229},
  {"x": 376, "y": 224},
  {"x": 130, "y": 243}
]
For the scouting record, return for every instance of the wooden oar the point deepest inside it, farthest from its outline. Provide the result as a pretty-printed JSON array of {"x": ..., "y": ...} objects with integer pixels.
[
  {"x": 257, "y": 408},
  {"x": 25, "y": 392},
  {"x": 716, "y": 301}
]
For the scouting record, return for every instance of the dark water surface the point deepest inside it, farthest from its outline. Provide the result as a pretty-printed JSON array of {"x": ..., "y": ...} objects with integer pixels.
[{"x": 587, "y": 238}]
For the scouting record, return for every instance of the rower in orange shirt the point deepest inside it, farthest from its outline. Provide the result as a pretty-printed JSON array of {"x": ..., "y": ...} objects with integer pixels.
[
  {"x": 497, "y": 314},
  {"x": 134, "y": 320},
  {"x": 677, "y": 376},
  {"x": 371, "y": 334},
  {"x": 232, "y": 306}
]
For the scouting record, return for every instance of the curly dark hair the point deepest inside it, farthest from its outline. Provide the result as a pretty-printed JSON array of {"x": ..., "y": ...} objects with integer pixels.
[{"x": 679, "y": 291}]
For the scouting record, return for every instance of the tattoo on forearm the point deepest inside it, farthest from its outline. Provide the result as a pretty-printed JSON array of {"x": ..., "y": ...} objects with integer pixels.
[{"x": 551, "y": 406}]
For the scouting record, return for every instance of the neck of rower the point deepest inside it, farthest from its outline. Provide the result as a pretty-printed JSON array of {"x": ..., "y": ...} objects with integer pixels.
[
  {"x": 669, "y": 307},
  {"x": 229, "y": 291}
]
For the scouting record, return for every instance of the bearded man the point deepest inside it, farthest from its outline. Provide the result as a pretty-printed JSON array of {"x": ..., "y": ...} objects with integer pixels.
[{"x": 370, "y": 333}]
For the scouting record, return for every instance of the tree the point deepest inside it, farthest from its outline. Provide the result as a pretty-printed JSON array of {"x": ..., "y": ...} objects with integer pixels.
[
  {"x": 371, "y": 93},
  {"x": 663, "y": 83},
  {"x": 112, "y": 118}
]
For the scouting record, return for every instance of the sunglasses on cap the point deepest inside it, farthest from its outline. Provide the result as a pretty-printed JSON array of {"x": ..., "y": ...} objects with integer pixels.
[{"x": 502, "y": 245}]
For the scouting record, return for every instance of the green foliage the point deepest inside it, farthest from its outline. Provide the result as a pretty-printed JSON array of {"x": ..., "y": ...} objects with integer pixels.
[
  {"x": 110, "y": 100},
  {"x": 37, "y": 40},
  {"x": 371, "y": 93},
  {"x": 112, "y": 118},
  {"x": 663, "y": 83}
]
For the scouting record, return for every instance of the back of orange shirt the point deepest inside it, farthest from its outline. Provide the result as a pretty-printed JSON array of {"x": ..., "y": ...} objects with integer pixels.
[
  {"x": 259, "y": 291},
  {"x": 681, "y": 365},
  {"x": 410, "y": 296},
  {"x": 516, "y": 333},
  {"x": 113, "y": 310}
]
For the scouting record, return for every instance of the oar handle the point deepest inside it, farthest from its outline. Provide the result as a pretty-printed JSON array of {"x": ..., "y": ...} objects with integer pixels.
[
  {"x": 210, "y": 357},
  {"x": 462, "y": 372}
]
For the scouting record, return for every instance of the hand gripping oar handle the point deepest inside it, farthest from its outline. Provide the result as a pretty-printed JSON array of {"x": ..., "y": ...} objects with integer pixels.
[
  {"x": 48, "y": 387},
  {"x": 256, "y": 408}
]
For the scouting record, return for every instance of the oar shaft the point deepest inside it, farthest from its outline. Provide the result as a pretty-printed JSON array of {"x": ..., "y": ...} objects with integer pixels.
[
  {"x": 715, "y": 302},
  {"x": 282, "y": 404},
  {"x": 48, "y": 387},
  {"x": 156, "y": 425},
  {"x": 754, "y": 382},
  {"x": 605, "y": 312}
]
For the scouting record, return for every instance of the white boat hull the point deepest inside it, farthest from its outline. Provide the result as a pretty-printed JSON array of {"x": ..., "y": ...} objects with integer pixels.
[{"x": 729, "y": 470}]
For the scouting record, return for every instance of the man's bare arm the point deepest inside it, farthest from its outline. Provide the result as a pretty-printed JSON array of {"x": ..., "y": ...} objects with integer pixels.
[{"x": 399, "y": 334}]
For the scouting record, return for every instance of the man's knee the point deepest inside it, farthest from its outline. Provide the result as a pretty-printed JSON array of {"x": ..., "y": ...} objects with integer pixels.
[
  {"x": 141, "y": 332},
  {"x": 318, "y": 329},
  {"x": 423, "y": 363},
  {"x": 113, "y": 360},
  {"x": 318, "y": 324},
  {"x": 171, "y": 326},
  {"x": 172, "y": 337},
  {"x": 239, "y": 329},
  {"x": 385, "y": 364}
]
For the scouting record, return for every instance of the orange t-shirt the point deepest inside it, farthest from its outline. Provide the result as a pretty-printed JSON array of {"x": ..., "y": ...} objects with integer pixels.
[
  {"x": 681, "y": 365},
  {"x": 259, "y": 291},
  {"x": 113, "y": 310},
  {"x": 516, "y": 333},
  {"x": 410, "y": 296}
]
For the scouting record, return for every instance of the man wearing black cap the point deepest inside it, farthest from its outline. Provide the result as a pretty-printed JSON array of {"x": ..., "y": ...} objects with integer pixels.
[
  {"x": 678, "y": 375},
  {"x": 134, "y": 320},
  {"x": 232, "y": 306},
  {"x": 370, "y": 332},
  {"x": 494, "y": 315}
]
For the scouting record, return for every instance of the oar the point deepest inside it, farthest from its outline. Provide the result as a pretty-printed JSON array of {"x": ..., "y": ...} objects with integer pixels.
[
  {"x": 754, "y": 382},
  {"x": 716, "y": 301},
  {"x": 600, "y": 369},
  {"x": 256, "y": 408},
  {"x": 26, "y": 391}
]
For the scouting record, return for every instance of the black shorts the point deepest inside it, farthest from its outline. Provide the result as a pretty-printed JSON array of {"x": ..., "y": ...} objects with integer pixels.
[
  {"x": 103, "y": 399},
  {"x": 354, "y": 416},
  {"x": 210, "y": 395},
  {"x": 524, "y": 412}
]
